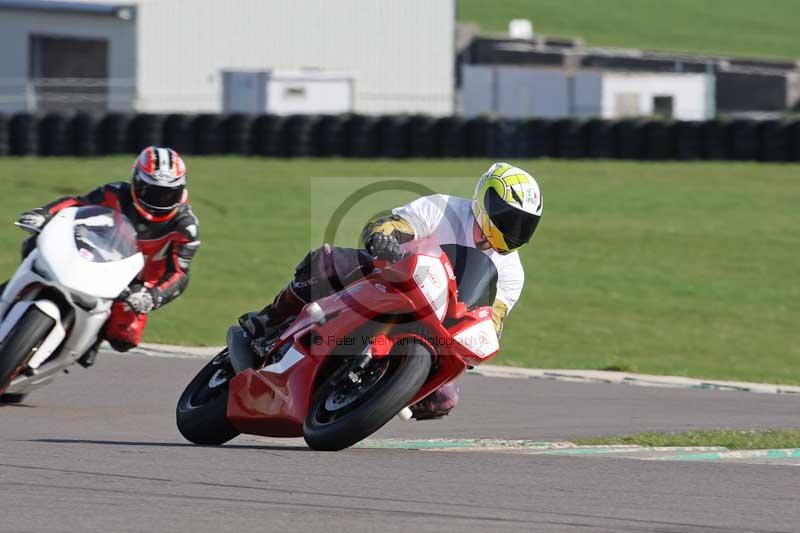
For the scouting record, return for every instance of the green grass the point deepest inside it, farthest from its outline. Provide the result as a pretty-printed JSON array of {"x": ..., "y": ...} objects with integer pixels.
[
  {"x": 668, "y": 268},
  {"x": 731, "y": 439},
  {"x": 734, "y": 27}
]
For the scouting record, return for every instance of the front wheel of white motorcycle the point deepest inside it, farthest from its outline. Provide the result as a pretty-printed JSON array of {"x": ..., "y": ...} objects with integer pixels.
[
  {"x": 344, "y": 411},
  {"x": 22, "y": 342}
]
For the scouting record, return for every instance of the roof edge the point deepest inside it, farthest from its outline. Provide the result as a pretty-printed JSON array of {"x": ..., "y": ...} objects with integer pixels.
[{"x": 122, "y": 11}]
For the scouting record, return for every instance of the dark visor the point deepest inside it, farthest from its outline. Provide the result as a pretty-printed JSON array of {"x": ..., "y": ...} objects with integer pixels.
[
  {"x": 155, "y": 197},
  {"x": 516, "y": 225}
]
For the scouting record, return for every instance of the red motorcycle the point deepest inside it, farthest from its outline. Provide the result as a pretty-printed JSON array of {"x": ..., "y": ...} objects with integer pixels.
[{"x": 352, "y": 361}]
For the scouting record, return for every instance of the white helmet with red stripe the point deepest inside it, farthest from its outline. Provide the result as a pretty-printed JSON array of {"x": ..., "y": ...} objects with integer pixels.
[{"x": 158, "y": 183}]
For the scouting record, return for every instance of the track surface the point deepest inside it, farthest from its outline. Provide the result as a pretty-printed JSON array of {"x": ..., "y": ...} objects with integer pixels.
[{"x": 98, "y": 451}]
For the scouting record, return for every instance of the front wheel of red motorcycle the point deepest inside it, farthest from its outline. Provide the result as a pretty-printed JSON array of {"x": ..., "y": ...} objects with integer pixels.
[
  {"x": 201, "y": 413},
  {"x": 345, "y": 411}
]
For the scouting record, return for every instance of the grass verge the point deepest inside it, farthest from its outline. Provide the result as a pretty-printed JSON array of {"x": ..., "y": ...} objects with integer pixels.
[
  {"x": 663, "y": 268},
  {"x": 731, "y": 439},
  {"x": 733, "y": 27}
]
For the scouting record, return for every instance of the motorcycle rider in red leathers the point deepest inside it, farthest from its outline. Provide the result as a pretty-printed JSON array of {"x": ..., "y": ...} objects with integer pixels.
[{"x": 157, "y": 204}]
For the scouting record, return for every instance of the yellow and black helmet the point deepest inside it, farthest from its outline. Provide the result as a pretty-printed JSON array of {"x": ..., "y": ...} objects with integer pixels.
[{"x": 507, "y": 206}]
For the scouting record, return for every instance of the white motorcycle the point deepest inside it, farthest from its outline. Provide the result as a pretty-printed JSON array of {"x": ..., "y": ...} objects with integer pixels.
[{"x": 54, "y": 307}]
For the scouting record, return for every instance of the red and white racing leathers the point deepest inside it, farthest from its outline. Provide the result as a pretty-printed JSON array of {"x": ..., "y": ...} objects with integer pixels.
[{"x": 168, "y": 248}]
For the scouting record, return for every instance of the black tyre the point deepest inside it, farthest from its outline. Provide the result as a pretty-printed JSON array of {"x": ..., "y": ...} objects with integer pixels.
[
  {"x": 343, "y": 413},
  {"x": 202, "y": 408},
  {"x": 12, "y": 397},
  {"x": 22, "y": 342}
]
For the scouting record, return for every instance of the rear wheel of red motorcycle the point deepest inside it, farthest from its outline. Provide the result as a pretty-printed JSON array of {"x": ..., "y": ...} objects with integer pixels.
[
  {"x": 343, "y": 413},
  {"x": 202, "y": 409},
  {"x": 22, "y": 342}
]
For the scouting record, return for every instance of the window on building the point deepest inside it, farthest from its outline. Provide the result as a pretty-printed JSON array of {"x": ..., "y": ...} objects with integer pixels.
[
  {"x": 662, "y": 106},
  {"x": 68, "y": 74}
]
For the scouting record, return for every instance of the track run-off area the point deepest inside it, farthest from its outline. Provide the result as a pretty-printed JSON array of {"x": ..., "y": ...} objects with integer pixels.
[{"x": 97, "y": 450}]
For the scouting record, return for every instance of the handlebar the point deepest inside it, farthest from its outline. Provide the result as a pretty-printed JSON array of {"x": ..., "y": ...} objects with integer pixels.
[{"x": 30, "y": 229}]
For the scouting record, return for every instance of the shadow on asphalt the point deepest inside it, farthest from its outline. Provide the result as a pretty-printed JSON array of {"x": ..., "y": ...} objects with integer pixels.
[{"x": 171, "y": 444}]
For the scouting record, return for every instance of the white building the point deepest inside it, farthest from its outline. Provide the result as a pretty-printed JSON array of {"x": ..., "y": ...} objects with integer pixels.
[
  {"x": 524, "y": 91},
  {"x": 171, "y": 55}
]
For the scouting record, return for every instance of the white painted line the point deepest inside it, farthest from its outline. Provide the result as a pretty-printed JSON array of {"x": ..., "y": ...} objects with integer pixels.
[
  {"x": 497, "y": 371},
  {"x": 627, "y": 378}
]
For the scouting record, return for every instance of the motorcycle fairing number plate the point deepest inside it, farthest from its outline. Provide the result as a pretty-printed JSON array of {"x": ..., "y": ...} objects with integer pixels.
[
  {"x": 480, "y": 339},
  {"x": 431, "y": 278}
]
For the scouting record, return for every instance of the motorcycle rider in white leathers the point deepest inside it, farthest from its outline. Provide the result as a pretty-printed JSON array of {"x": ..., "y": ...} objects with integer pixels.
[{"x": 502, "y": 216}]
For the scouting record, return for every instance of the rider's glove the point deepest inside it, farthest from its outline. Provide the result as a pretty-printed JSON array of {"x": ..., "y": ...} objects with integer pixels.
[
  {"x": 33, "y": 220},
  {"x": 140, "y": 301},
  {"x": 382, "y": 246}
]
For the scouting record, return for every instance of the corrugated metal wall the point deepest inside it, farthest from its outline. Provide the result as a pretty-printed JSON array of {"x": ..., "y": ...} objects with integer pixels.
[{"x": 400, "y": 52}]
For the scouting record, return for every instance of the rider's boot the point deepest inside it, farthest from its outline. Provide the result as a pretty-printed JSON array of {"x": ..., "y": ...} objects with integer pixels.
[
  {"x": 88, "y": 358},
  {"x": 264, "y": 325},
  {"x": 437, "y": 404}
]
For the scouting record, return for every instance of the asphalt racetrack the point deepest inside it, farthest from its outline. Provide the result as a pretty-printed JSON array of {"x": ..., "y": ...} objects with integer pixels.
[{"x": 98, "y": 451}]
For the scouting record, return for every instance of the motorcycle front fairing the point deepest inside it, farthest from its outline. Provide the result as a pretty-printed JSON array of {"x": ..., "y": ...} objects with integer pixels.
[
  {"x": 59, "y": 275},
  {"x": 274, "y": 400},
  {"x": 85, "y": 269}
]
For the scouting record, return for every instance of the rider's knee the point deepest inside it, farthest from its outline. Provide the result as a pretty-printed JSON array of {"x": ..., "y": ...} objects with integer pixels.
[{"x": 120, "y": 345}]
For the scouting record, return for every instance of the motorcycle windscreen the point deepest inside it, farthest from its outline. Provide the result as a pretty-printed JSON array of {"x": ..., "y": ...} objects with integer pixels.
[
  {"x": 476, "y": 275},
  {"x": 103, "y": 235}
]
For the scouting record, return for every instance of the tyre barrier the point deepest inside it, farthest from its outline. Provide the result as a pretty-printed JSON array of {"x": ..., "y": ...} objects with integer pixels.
[
  {"x": 236, "y": 134},
  {"x": 477, "y": 136},
  {"x": 207, "y": 134},
  {"x": 111, "y": 134},
  {"x": 715, "y": 139},
  {"x": 52, "y": 135},
  {"x": 265, "y": 135},
  {"x": 422, "y": 136},
  {"x": 22, "y": 134},
  {"x": 362, "y": 137},
  {"x": 743, "y": 135},
  {"x": 535, "y": 138},
  {"x": 296, "y": 136},
  {"x": 81, "y": 134},
  {"x": 452, "y": 135},
  {"x": 631, "y": 140},
  {"x": 774, "y": 140},
  {"x": 688, "y": 140},
  {"x": 3, "y": 135},
  {"x": 571, "y": 139},
  {"x": 330, "y": 136},
  {"x": 601, "y": 139},
  {"x": 393, "y": 134},
  {"x": 400, "y": 136},
  {"x": 145, "y": 130},
  {"x": 177, "y": 133},
  {"x": 794, "y": 141},
  {"x": 503, "y": 139},
  {"x": 659, "y": 140}
]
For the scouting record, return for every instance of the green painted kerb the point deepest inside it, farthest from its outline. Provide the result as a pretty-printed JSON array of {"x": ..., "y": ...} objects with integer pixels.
[{"x": 789, "y": 453}]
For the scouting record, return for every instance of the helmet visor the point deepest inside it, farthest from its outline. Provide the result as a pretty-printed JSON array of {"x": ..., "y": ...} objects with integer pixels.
[
  {"x": 155, "y": 197},
  {"x": 516, "y": 225}
]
